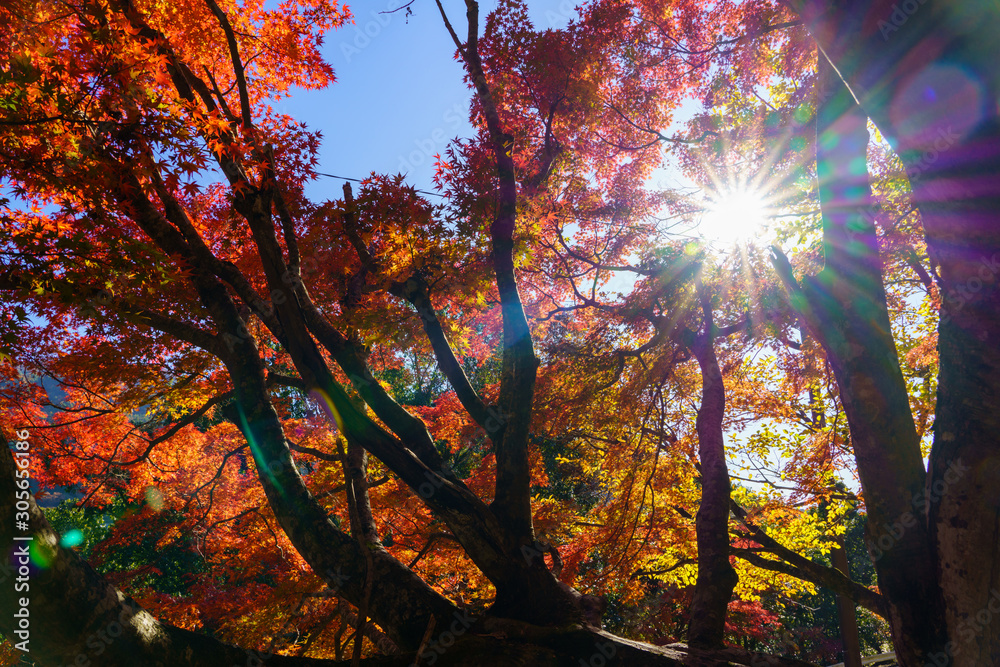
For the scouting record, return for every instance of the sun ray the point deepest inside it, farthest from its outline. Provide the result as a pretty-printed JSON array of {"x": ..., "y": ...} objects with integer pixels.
[{"x": 733, "y": 214}]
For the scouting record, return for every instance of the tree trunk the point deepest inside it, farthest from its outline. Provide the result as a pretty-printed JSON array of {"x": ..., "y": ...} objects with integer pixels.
[
  {"x": 926, "y": 73},
  {"x": 846, "y": 614},
  {"x": 716, "y": 575}
]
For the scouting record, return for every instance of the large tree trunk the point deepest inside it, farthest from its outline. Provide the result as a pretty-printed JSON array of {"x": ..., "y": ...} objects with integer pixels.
[{"x": 927, "y": 75}]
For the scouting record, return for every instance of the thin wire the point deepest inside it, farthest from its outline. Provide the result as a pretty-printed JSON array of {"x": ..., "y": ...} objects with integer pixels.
[
  {"x": 358, "y": 180},
  {"x": 610, "y": 223}
]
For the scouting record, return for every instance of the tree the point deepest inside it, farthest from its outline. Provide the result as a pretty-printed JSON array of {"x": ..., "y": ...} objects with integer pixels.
[
  {"x": 889, "y": 57},
  {"x": 472, "y": 362},
  {"x": 108, "y": 135}
]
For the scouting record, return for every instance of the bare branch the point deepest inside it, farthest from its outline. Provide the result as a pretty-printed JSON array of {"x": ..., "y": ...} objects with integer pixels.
[{"x": 234, "y": 54}]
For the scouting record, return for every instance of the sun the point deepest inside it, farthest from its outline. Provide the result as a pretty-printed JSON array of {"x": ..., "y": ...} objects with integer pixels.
[{"x": 733, "y": 216}]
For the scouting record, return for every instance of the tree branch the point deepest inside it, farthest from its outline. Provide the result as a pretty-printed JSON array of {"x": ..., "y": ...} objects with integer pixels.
[
  {"x": 415, "y": 291},
  {"x": 512, "y": 498},
  {"x": 801, "y": 567},
  {"x": 237, "y": 62}
]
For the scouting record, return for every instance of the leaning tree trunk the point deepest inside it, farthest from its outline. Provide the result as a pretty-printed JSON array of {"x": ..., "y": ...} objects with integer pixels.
[
  {"x": 926, "y": 73},
  {"x": 845, "y": 309}
]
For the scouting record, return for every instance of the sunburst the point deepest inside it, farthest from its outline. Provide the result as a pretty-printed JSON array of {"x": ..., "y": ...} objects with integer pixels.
[{"x": 733, "y": 215}]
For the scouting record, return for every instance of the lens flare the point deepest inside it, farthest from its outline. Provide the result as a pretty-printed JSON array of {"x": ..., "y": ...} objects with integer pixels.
[
  {"x": 154, "y": 498},
  {"x": 733, "y": 216},
  {"x": 71, "y": 538}
]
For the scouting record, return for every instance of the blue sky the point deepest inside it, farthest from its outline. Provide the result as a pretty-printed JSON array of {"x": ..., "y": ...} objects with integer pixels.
[{"x": 399, "y": 95}]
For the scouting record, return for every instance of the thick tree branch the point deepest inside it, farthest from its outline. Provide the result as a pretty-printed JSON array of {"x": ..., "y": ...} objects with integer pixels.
[
  {"x": 415, "y": 291},
  {"x": 801, "y": 567},
  {"x": 512, "y": 500}
]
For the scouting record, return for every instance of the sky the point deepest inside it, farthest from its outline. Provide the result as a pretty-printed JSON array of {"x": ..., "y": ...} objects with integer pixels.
[{"x": 399, "y": 97}]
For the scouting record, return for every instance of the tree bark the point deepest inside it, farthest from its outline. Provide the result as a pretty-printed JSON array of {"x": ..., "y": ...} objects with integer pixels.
[
  {"x": 716, "y": 575},
  {"x": 846, "y": 614},
  {"x": 926, "y": 74}
]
